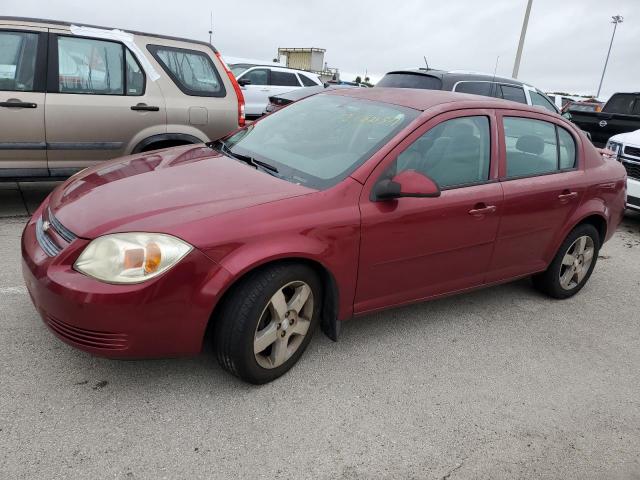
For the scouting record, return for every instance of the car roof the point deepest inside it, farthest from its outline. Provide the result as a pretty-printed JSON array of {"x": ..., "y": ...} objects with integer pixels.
[
  {"x": 422, "y": 99},
  {"x": 30, "y": 21},
  {"x": 454, "y": 76}
]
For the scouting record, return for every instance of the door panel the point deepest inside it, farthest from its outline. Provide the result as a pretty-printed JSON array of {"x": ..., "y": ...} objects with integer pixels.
[
  {"x": 22, "y": 101},
  {"x": 536, "y": 208},
  {"x": 257, "y": 93},
  {"x": 416, "y": 248},
  {"x": 89, "y": 117}
]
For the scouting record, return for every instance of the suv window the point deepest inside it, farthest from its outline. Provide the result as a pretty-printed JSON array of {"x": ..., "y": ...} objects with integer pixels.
[
  {"x": 455, "y": 152},
  {"x": 97, "y": 67},
  {"x": 621, "y": 103},
  {"x": 513, "y": 93},
  {"x": 17, "y": 61},
  {"x": 476, "y": 88},
  {"x": 192, "y": 71},
  {"x": 541, "y": 101},
  {"x": 533, "y": 149},
  {"x": 284, "y": 79},
  {"x": 258, "y": 76},
  {"x": 410, "y": 80},
  {"x": 306, "y": 81}
]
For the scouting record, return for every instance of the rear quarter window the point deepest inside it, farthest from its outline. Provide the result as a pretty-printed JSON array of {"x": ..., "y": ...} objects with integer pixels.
[
  {"x": 621, "y": 103},
  {"x": 476, "y": 88},
  {"x": 192, "y": 71},
  {"x": 410, "y": 80}
]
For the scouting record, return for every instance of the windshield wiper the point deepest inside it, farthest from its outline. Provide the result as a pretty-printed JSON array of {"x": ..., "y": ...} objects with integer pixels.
[{"x": 224, "y": 148}]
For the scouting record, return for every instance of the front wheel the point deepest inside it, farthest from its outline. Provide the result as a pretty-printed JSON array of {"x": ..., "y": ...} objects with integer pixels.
[
  {"x": 572, "y": 265},
  {"x": 267, "y": 322}
]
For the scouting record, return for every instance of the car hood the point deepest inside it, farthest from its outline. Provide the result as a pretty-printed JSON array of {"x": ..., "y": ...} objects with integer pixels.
[
  {"x": 629, "y": 137},
  {"x": 159, "y": 191}
]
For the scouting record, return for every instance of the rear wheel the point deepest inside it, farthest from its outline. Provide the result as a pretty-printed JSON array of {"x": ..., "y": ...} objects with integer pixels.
[
  {"x": 572, "y": 265},
  {"x": 267, "y": 322}
]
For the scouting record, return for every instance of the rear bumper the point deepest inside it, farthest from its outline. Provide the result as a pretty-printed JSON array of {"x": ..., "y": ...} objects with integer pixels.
[{"x": 163, "y": 317}]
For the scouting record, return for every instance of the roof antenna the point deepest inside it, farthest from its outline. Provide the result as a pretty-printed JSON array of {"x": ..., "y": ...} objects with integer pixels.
[
  {"x": 425, "y": 61},
  {"x": 496, "y": 68},
  {"x": 210, "y": 26}
]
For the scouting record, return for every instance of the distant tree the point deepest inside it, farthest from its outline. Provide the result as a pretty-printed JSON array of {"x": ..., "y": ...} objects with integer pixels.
[
  {"x": 366, "y": 80},
  {"x": 358, "y": 79}
]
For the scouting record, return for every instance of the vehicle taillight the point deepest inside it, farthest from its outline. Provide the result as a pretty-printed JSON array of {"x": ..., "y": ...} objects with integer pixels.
[{"x": 236, "y": 88}]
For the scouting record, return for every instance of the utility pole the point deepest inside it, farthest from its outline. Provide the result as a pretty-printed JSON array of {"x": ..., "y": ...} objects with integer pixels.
[
  {"x": 210, "y": 26},
  {"x": 616, "y": 19},
  {"x": 523, "y": 33}
]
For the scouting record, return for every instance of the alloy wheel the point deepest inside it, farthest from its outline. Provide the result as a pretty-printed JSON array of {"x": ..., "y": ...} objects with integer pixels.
[
  {"x": 283, "y": 324},
  {"x": 576, "y": 262}
]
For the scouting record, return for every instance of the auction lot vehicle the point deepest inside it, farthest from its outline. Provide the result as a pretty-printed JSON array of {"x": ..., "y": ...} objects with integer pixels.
[
  {"x": 621, "y": 114},
  {"x": 627, "y": 151},
  {"x": 468, "y": 82},
  {"x": 583, "y": 107},
  {"x": 343, "y": 203},
  {"x": 73, "y": 96},
  {"x": 276, "y": 102},
  {"x": 259, "y": 82}
]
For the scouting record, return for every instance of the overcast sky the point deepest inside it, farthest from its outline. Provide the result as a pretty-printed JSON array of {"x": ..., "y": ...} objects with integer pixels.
[{"x": 565, "y": 47}]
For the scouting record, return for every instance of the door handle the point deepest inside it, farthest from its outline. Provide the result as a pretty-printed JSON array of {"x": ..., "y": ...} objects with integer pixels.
[
  {"x": 12, "y": 103},
  {"x": 565, "y": 196},
  {"x": 265, "y": 89},
  {"x": 143, "y": 107},
  {"x": 482, "y": 209}
]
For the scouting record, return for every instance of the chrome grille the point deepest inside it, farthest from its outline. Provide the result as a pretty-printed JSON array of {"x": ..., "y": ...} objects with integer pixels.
[
  {"x": 52, "y": 245},
  {"x": 49, "y": 247},
  {"x": 633, "y": 151},
  {"x": 633, "y": 169}
]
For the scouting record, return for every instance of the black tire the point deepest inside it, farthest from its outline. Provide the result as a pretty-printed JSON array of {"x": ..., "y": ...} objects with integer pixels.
[
  {"x": 548, "y": 281},
  {"x": 242, "y": 310}
]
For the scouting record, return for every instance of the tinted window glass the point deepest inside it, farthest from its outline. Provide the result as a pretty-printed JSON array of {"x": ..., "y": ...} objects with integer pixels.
[
  {"x": 476, "y": 88},
  {"x": 410, "y": 80},
  {"x": 135, "y": 76},
  {"x": 515, "y": 94},
  {"x": 284, "y": 79},
  {"x": 192, "y": 71},
  {"x": 455, "y": 152},
  {"x": 307, "y": 82},
  {"x": 90, "y": 66},
  {"x": 540, "y": 101},
  {"x": 322, "y": 139},
  {"x": 531, "y": 147},
  {"x": 17, "y": 61},
  {"x": 259, "y": 76},
  {"x": 620, "y": 103},
  {"x": 567, "y": 149}
]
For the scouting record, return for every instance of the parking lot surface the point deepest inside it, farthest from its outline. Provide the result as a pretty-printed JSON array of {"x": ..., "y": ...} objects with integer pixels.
[{"x": 499, "y": 383}]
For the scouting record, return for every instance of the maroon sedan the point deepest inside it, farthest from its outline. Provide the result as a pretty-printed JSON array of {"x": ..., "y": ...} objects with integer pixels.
[{"x": 341, "y": 204}]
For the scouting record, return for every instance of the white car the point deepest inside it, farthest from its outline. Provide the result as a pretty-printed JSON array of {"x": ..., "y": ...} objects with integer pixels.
[
  {"x": 259, "y": 82},
  {"x": 627, "y": 149}
]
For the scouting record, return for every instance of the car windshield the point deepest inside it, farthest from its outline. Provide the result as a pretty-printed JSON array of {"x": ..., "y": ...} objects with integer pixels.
[
  {"x": 239, "y": 68},
  {"x": 320, "y": 140}
]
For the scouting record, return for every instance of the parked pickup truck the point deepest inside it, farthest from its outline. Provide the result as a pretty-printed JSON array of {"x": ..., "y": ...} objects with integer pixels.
[{"x": 621, "y": 114}]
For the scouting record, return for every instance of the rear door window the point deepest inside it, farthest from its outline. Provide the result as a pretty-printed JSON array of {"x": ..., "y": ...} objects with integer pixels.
[
  {"x": 191, "y": 70},
  {"x": 18, "y": 52},
  {"x": 410, "y": 80},
  {"x": 621, "y": 103},
  {"x": 476, "y": 88},
  {"x": 535, "y": 147},
  {"x": 513, "y": 93},
  {"x": 284, "y": 79}
]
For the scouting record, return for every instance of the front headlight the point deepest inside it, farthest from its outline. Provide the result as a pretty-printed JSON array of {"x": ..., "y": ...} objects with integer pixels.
[
  {"x": 614, "y": 147},
  {"x": 130, "y": 257}
]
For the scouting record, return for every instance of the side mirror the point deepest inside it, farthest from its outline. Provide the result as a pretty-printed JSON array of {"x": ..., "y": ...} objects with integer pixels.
[
  {"x": 408, "y": 183},
  {"x": 243, "y": 82},
  {"x": 567, "y": 115}
]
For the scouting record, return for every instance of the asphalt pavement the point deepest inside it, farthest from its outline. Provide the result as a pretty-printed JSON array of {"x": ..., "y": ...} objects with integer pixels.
[{"x": 498, "y": 383}]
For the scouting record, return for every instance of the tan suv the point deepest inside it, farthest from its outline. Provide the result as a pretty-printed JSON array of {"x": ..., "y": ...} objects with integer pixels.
[{"x": 72, "y": 96}]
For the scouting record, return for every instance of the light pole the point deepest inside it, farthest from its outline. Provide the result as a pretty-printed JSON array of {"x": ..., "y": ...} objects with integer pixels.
[
  {"x": 616, "y": 19},
  {"x": 523, "y": 33}
]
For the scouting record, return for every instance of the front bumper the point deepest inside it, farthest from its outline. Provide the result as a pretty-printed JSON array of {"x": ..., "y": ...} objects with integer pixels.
[{"x": 164, "y": 317}]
